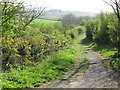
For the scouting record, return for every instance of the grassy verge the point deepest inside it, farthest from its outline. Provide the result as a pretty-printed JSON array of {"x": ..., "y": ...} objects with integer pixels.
[
  {"x": 82, "y": 55},
  {"x": 106, "y": 53},
  {"x": 35, "y": 74}
]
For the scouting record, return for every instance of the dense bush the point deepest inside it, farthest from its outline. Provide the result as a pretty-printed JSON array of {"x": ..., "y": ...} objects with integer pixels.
[
  {"x": 19, "y": 50},
  {"x": 103, "y": 30},
  {"x": 89, "y": 29}
]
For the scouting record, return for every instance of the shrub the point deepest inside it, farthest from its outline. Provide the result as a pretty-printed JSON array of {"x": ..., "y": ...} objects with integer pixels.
[{"x": 19, "y": 50}]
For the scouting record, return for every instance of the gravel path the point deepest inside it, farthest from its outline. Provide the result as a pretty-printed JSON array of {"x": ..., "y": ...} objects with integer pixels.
[{"x": 97, "y": 76}]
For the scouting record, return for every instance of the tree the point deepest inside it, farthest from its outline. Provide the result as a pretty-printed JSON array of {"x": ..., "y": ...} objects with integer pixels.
[
  {"x": 102, "y": 35},
  {"x": 89, "y": 25},
  {"x": 115, "y": 4},
  {"x": 68, "y": 21},
  {"x": 15, "y": 17}
]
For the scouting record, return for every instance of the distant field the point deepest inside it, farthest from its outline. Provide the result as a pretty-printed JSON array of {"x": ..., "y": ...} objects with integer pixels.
[
  {"x": 44, "y": 21},
  {"x": 53, "y": 15}
]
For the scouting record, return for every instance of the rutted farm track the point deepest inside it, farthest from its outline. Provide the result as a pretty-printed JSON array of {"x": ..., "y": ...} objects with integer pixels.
[{"x": 96, "y": 76}]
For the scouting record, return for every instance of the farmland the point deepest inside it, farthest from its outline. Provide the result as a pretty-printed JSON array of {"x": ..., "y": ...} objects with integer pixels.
[{"x": 44, "y": 21}]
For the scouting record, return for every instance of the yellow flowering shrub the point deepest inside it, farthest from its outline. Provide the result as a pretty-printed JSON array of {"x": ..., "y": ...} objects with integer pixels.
[{"x": 19, "y": 50}]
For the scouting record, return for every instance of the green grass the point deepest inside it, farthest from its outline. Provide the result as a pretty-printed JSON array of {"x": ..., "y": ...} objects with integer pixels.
[
  {"x": 106, "y": 53},
  {"x": 35, "y": 74},
  {"x": 82, "y": 54},
  {"x": 44, "y": 21}
]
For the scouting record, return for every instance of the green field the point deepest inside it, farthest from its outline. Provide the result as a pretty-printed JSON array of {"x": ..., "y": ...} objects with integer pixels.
[{"x": 44, "y": 21}]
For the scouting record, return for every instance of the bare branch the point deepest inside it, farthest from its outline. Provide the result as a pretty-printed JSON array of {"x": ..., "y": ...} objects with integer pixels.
[
  {"x": 110, "y": 4},
  {"x": 33, "y": 15},
  {"x": 17, "y": 13},
  {"x": 107, "y": 2}
]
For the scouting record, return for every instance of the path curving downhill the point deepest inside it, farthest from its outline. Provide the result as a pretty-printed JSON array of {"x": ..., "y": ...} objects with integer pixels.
[{"x": 97, "y": 76}]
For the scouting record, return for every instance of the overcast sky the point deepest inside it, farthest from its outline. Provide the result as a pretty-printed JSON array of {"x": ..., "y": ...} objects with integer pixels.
[{"x": 78, "y": 5}]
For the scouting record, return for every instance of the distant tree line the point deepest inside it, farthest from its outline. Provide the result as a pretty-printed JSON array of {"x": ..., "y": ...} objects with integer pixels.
[{"x": 70, "y": 20}]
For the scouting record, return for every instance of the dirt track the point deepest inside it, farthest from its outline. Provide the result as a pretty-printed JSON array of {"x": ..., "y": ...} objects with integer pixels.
[{"x": 97, "y": 76}]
